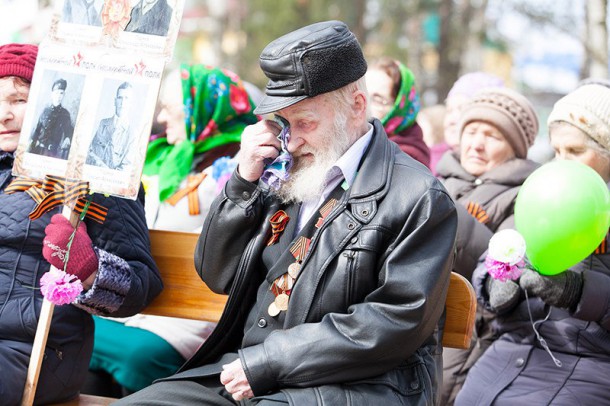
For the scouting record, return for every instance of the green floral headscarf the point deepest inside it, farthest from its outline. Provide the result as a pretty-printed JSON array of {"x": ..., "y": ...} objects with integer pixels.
[
  {"x": 406, "y": 106},
  {"x": 217, "y": 109}
]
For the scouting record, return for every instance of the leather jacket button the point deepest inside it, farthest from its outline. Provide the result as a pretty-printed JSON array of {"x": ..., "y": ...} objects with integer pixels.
[
  {"x": 414, "y": 385},
  {"x": 351, "y": 226},
  {"x": 262, "y": 323},
  {"x": 364, "y": 212},
  {"x": 245, "y": 195},
  {"x": 478, "y": 181},
  {"x": 354, "y": 240},
  {"x": 519, "y": 362}
]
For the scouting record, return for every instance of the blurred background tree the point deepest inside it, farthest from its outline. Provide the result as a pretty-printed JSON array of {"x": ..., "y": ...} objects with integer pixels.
[{"x": 541, "y": 46}]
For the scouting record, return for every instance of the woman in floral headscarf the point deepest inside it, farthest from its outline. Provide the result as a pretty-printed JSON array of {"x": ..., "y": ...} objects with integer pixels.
[
  {"x": 394, "y": 101},
  {"x": 203, "y": 122},
  {"x": 204, "y": 111}
]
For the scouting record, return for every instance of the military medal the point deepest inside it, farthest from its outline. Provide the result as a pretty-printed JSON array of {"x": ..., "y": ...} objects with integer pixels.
[
  {"x": 294, "y": 269},
  {"x": 282, "y": 285},
  {"x": 281, "y": 302},
  {"x": 273, "y": 310}
]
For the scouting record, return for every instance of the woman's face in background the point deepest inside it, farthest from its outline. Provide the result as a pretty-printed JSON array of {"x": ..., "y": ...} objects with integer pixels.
[
  {"x": 172, "y": 114},
  {"x": 571, "y": 143},
  {"x": 379, "y": 86},
  {"x": 483, "y": 147},
  {"x": 454, "y": 106}
]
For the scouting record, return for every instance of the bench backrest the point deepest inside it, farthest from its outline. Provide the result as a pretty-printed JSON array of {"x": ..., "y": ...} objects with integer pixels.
[{"x": 185, "y": 295}]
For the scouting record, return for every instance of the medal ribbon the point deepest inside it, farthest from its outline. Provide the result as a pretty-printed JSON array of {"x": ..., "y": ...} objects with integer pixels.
[
  {"x": 190, "y": 190},
  {"x": 282, "y": 286},
  {"x": 56, "y": 191},
  {"x": 278, "y": 224}
]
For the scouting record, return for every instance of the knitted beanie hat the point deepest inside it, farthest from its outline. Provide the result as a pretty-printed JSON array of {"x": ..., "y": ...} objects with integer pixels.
[
  {"x": 18, "y": 60},
  {"x": 470, "y": 83},
  {"x": 508, "y": 111},
  {"x": 587, "y": 108}
]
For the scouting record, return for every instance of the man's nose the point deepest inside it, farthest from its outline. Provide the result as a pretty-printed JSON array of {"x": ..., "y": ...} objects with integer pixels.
[{"x": 295, "y": 143}]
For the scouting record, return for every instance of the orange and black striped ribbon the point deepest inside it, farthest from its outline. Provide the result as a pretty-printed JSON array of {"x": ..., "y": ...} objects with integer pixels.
[
  {"x": 325, "y": 211},
  {"x": 300, "y": 247},
  {"x": 477, "y": 212},
  {"x": 278, "y": 224},
  {"x": 603, "y": 246},
  {"x": 190, "y": 190},
  {"x": 55, "y": 191}
]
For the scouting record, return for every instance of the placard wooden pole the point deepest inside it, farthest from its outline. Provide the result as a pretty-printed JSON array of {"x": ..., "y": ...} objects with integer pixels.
[{"x": 42, "y": 333}]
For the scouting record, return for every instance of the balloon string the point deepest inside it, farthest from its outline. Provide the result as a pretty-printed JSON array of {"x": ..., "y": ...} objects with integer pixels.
[{"x": 541, "y": 339}]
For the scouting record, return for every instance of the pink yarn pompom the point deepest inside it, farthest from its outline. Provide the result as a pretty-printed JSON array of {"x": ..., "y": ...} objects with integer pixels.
[
  {"x": 503, "y": 271},
  {"x": 59, "y": 287}
]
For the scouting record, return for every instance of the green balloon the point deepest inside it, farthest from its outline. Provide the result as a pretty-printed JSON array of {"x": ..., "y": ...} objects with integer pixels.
[{"x": 563, "y": 213}]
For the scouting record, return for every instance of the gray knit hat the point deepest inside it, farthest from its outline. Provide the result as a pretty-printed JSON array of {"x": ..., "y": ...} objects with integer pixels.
[
  {"x": 586, "y": 108},
  {"x": 507, "y": 110}
]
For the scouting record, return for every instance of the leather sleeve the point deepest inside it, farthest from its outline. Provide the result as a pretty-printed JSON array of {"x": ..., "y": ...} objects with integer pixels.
[{"x": 232, "y": 221}]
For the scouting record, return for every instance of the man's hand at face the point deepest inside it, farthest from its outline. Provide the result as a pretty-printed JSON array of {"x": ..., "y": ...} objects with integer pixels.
[
  {"x": 258, "y": 142},
  {"x": 234, "y": 379}
]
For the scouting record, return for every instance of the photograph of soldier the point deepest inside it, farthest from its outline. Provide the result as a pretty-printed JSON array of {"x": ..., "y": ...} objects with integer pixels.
[
  {"x": 52, "y": 135},
  {"x": 112, "y": 143},
  {"x": 86, "y": 12},
  {"x": 150, "y": 17}
]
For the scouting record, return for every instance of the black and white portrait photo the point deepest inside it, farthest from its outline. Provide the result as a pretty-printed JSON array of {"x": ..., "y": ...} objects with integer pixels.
[
  {"x": 57, "y": 108},
  {"x": 85, "y": 12},
  {"x": 115, "y": 142},
  {"x": 150, "y": 17}
]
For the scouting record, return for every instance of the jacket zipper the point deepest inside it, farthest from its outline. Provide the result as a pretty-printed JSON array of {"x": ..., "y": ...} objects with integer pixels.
[{"x": 350, "y": 255}]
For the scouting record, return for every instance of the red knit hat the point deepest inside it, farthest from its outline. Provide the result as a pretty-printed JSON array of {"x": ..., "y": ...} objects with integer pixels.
[{"x": 18, "y": 60}]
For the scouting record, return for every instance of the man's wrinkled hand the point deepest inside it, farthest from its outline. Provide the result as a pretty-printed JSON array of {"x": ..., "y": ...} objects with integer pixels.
[
  {"x": 258, "y": 143},
  {"x": 233, "y": 377}
]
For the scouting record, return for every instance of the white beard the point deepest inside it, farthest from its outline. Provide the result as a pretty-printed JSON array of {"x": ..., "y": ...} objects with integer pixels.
[{"x": 307, "y": 180}]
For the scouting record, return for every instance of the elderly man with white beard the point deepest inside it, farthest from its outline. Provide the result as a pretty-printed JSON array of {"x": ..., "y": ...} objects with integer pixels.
[{"x": 335, "y": 249}]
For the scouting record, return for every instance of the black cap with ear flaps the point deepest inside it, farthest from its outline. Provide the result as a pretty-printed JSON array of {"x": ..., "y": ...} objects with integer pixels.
[{"x": 312, "y": 60}]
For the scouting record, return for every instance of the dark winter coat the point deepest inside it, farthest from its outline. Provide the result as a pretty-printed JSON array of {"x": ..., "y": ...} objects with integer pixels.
[
  {"x": 486, "y": 205},
  {"x": 127, "y": 280},
  {"x": 516, "y": 366},
  {"x": 411, "y": 142},
  {"x": 364, "y": 322}
]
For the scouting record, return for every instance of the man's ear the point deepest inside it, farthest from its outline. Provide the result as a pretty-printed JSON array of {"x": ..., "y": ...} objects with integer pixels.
[{"x": 359, "y": 106}]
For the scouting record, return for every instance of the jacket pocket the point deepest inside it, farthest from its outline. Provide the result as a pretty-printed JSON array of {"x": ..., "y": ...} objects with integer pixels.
[{"x": 406, "y": 380}]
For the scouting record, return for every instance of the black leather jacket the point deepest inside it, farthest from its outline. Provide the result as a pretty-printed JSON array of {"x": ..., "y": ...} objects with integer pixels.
[{"x": 363, "y": 323}]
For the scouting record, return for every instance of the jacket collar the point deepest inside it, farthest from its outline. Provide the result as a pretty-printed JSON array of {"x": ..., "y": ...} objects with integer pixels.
[
  {"x": 378, "y": 160},
  {"x": 372, "y": 182}
]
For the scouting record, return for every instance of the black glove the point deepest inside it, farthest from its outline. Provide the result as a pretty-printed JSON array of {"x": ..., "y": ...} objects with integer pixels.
[
  {"x": 503, "y": 296},
  {"x": 562, "y": 290}
]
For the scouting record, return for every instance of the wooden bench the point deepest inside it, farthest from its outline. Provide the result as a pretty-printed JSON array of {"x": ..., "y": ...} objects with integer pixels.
[{"x": 185, "y": 295}]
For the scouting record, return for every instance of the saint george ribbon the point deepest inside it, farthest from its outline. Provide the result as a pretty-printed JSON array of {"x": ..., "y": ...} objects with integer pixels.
[
  {"x": 56, "y": 191},
  {"x": 190, "y": 190},
  {"x": 278, "y": 225}
]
